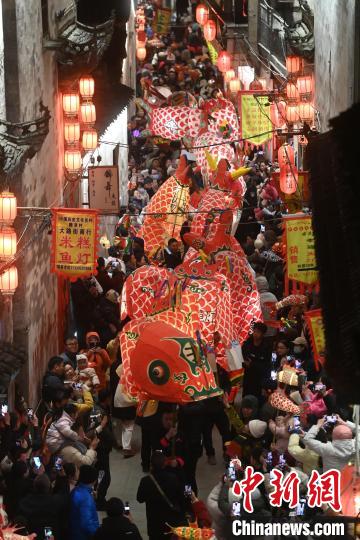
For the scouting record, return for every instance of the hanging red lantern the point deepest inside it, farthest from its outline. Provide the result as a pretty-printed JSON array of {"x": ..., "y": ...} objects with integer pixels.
[
  {"x": 292, "y": 93},
  {"x": 292, "y": 114},
  {"x": 9, "y": 280},
  {"x": 71, "y": 103},
  {"x": 8, "y": 243},
  {"x": 88, "y": 113},
  {"x": 224, "y": 61},
  {"x": 305, "y": 87},
  {"x": 202, "y": 14},
  {"x": 306, "y": 112},
  {"x": 141, "y": 53},
  {"x": 210, "y": 30},
  {"x": 72, "y": 161},
  {"x": 255, "y": 85},
  {"x": 8, "y": 207},
  {"x": 293, "y": 64},
  {"x": 140, "y": 39},
  {"x": 87, "y": 87},
  {"x": 288, "y": 171},
  {"x": 90, "y": 140},
  {"x": 278, "y": 113},
  {"x": 72, "y": 132}
]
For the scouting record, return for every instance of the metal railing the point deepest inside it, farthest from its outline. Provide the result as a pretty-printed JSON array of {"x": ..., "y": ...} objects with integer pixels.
[{"x": 271, "y": 37}]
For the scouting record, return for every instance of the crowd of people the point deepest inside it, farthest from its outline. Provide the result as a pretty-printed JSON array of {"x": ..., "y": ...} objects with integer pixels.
[{"x": 55, "y": 462}]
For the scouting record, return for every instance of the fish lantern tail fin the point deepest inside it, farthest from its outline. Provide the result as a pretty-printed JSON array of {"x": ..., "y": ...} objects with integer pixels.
[{"x": 240, "y": 172}]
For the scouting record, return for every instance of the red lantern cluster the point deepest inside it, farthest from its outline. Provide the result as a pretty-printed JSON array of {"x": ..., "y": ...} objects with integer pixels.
[
  {"x": 140, "y": 35},
  {"x": 8, "y": 241},
  {"x": 79, "y": 117},
  {"x": 299, "y": 93}
]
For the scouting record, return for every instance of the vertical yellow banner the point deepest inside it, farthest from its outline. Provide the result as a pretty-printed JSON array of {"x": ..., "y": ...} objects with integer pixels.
[
  {"x": 300, "y": 250},
  {"x": 255, "y": 122}
]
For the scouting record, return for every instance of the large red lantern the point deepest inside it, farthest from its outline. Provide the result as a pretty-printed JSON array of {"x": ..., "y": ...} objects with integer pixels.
[
  {"x": 141, "y": 39},
  {"x": 305, "y": 87},
  {"x": 87, "y": 87},
  {"x": 293, "y": 64},
  {"x": 288, "y": 171},
  {"x": 8, "y": 242},
  {"x": 72, "y": 132},
  {"x": 8, "y": 207},
  {"x": 278, "y": 113},
  {"x": 292, "y": 114},
  {"x": 71, "y": 103},
  {"x": 9, "y": 281},
  {"x": 88, "y": 113},
  {"x": 141, "y": 53},
  {"x": 90, "y": 140},
  {"x": 210, "y": 30},
  {"x": 292, "y": 93},
  {"x": 224, "y": 61},
  {"x": 72, "y": 161},
  {"x": 306, "y": 112},
  {"x": 202, "y": 14}
]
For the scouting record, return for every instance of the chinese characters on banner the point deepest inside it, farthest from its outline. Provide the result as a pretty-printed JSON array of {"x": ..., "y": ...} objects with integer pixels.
[
  {"x": 300, "y": 250},
  {"x": 314, "y": 322},
  {"x": 162, "y": 21},
  {"x": 322, "y": 488},
  {"x": 104, "y": 189},
  {"x": 254, "y": 119},
  {"x": 74, "y": 242}
]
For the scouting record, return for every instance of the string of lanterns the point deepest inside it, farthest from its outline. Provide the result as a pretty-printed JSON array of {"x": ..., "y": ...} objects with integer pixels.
[
  {"x": 8, "y": 242},
  {"x": 79, "y": 120},
  {"x": 140, "y": 35}
]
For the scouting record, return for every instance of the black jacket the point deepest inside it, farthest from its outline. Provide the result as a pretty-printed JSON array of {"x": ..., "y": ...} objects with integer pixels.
[
  {"x": 43, "y": 510},
  {"x": 117, "y": 528},
  {"x": 51, "y": 385}
]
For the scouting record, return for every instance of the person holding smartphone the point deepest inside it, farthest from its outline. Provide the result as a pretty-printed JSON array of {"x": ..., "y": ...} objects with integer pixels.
[{"x": 118, "y": 523}]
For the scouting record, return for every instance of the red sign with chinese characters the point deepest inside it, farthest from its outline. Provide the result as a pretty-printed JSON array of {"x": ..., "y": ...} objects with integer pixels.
[{"x": 75, "y": 237}]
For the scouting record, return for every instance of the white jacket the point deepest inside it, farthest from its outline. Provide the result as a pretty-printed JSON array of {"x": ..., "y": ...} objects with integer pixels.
[
  {"x": 59, "y": 432},
  {"x": 70, "y": 454},
  {"x": 335, "y": 454}
]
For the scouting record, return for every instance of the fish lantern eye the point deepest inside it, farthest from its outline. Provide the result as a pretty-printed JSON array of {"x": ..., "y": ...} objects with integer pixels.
[{"x": 159, "y": 372}]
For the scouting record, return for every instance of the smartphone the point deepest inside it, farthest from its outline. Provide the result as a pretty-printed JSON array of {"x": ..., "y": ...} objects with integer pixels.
[
  {"x": 236, "y": 508},
  {"x": 282, "y": 460},
  {"x": 126, "y": 508},
  {"x": 319, "y": 387},
  {"x": 4, "y": 408},
  {"x": 100, "y": 476},
  {"x": 231, "y": 472},
  {"x": 30, "y": 414},
  {"x": 273, "y": 357},
  {"x": 296, "y": 421},
  {"x": 331, "y": 419},
  {"x": 298, "y": 364},
  {"x": 48, "y": 532},
  {"x": 262, "y": 228},
  {"x": 188, "y": 490},
  {"x": 37, "y": 462},
  {"x": 300, "y": 508},
  {"x": 58, "y": 463},
  {"x": 273, "y": 375}
]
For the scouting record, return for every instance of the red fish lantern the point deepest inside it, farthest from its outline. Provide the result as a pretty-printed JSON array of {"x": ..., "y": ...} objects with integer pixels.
[
  {"x": 288, "y": 171},
  {"x": 168, "y": 365}
]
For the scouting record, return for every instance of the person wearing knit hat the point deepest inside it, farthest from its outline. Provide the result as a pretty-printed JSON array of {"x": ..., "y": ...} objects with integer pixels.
[
  {"x": 98, "y": 358},
  {"x": 336, "y": 453},
  {"x": 257, "y": 428}
]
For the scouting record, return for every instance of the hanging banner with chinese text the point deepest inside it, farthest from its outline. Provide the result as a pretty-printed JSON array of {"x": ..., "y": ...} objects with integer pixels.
[
  {"x": 162, "y": 21},
  {"x": 75, "y": 238},
  {"x": 300, "y": 250},
  {"x": 315, "y": 325},
  {"x": 255, "y": 122},
  {"x": 104, "y": 189}
]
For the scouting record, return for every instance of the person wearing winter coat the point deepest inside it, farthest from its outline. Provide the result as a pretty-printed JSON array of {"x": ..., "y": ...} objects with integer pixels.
[
  {"x": 98, "y": 358},
  {"x": 279, "y": 428},
  {"x": 87, "y": 374},
  {"x": 117, "y": 525},
  {"x": 60, "y": 431},
  {"x": 84, "y": 521},
  {"x": 76, "y": 452},
  {"x": 308, "y": 458},
  {"x": 336, "y": 453},
  {"x": 219, "y": 521},
  {"x": 53, "y": 380}
]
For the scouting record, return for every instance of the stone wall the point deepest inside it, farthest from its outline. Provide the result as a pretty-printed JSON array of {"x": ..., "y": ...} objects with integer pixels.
[{"x": 334, "y": 57}]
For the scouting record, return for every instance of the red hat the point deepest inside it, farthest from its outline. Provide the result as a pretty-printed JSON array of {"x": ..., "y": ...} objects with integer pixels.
[{"x": 92, "y": 334}]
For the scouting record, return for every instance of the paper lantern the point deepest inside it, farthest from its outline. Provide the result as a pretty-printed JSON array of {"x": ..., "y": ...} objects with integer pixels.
[
  {"x": 202, "y": 14},
  {"x": 292, "y": 92},
  {"x": 305, "y": 86},
  {"x": 140, "y": 39},
  {"x": 288, "y": 171},
  {"x": 141, "y": 53},
  {"x": 72, "y": 132},
  {"x": 90, "y": 139},
  {"x": 234, "y": 86},
  {"x": 9, "y": 280},
  {"x": 8, "y": 207},
  {"x": 88, "y": 113},
  {"x": 87, "y": 87},
  {"x": 256, "y": 85},
  {"x": 224, "y": 61},
  {"x": 292, "y": 114},
  {"x": 229, "y": 75},
  {"x": 71, "y": 103},
  {"x": 306, "y": 112},
  {"x": 210, "y": 30},
  {"x": 8, "y": 243},
  {"x": 72, "y": 160},
  {"x": 293, "y": 64},
  {"x": 278, "y": 113}
]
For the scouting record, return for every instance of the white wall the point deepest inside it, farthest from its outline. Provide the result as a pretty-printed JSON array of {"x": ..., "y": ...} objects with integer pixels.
[{"x": 334, "y": 57}]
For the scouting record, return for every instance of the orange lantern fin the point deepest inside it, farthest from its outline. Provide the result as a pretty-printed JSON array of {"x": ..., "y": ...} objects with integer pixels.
[{"x": 240, "y": 172}]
